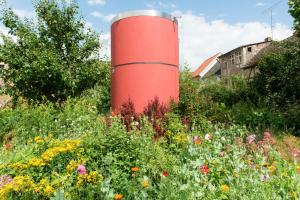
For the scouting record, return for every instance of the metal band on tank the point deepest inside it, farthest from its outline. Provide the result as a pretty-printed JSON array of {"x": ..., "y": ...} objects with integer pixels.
[
  {"x": 145, "y": 63},
  {"x": 144, "y": 13}
]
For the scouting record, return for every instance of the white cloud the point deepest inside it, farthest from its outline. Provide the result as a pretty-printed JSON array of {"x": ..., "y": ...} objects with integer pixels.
[
  {"x": 200, "y": 39},
  {"x": 25, "y": 13},
  {"x": 160, "y": 4},
  {"x": 260, "y": 4},
  {"x": 105, "y": 51},
  {"x": 96, "y": 2},
  {"x": 106, "y": 18}
]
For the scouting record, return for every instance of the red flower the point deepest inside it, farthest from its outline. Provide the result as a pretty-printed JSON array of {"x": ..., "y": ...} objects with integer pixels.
[
  {"x": 113, "y": 114},
  {"x": 7, "y": 146},
  {"x": 204, "y": 169},
  {"x": 165, "y": 173}
]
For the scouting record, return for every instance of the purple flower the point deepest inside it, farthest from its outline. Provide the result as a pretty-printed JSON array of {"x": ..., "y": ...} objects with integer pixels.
[
  {"x": 81, "y": 169},
  {"x": 5, "y": 179},
  {"x": 251, "y": 139}
]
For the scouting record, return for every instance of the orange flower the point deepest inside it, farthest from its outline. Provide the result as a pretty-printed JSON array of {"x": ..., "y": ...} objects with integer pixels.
[
  {"x": 118, "y": 196},
  {"x": 135, "y": 169},
  {"x": 224, "y": 188},
  {"x": 7, "y": 146},
  {"x": 113, "y": 114}
]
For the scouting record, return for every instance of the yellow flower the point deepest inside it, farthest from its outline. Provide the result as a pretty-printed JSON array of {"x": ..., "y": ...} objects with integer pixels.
[
  {"x": 298, "y": 169},
  {"x": 118, "y": 197},
  {"x": 38, "y": 139},
  {"x": 93, "y": 176},
  {"x": 36, "y": 162},
  {"x": 272, "y": 168},
  {"x": 294, "y": 195},
  {"x": 49, "y": 190},
  {"x": 72, "y": 166},
  {"x": 181, "y": 138},
  {"x": 224, "y": 188},
  {"x": 145, "y": 184}
]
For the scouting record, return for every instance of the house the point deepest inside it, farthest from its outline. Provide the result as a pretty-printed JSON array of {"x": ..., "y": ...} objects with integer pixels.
[
  {"x": 209, "y": 68},
  {"x": 241, "y": 60}
]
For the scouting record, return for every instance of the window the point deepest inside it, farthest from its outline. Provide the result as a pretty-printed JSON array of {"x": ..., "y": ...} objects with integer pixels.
[
  {"x": 238, "y": 57},
  {"x": 249, "y": 49},
  {"x": 225, "y": 68},
  {"x": 232, "y": 59}
]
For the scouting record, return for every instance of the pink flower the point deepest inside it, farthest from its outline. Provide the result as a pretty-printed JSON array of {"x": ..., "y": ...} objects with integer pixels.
[
  {"x": 251, "y": 139},
  {"x": 295, "y": 152},
  {"x": 267, "y": 135},
  {"x": 81, "y": 169},
  {"x": 222, "y": 153}
]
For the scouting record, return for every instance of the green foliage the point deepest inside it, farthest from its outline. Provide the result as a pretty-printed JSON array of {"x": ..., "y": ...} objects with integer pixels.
[
  {"x": 295, "y": 12},
  {"x": 196, "y": 106},
  {"x": 279, "y": 77},
  {"x": 45, "y": 153},
  {"x": 52, "y": 58}
]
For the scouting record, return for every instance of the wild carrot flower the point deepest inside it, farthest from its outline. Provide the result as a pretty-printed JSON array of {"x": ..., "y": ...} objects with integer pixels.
[
  {"x": 204, "y": 169},
  {"x": 135, "y": 169},
  {"x": 118, "y": 196},
  {"x": 81, "y": 169},
  {"x": 224, "y": 188}
]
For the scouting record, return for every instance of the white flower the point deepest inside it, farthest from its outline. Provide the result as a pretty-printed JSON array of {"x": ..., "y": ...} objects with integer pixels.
[
  {"x": 208, "y": 137},
  {"x": 223, "y": 138}
]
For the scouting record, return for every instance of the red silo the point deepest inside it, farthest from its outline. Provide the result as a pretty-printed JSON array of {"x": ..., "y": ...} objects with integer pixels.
[{"x": 145, "y": 58}]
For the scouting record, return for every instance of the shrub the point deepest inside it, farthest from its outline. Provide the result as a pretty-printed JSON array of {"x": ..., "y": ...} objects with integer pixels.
[{"x": 45, "y": 64}]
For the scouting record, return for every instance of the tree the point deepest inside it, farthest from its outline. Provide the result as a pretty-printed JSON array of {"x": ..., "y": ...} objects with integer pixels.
[
  {"x": 51, "y": 58},
  {"x": 295, "y": 12},
  {"x": 279, "y": 77}
]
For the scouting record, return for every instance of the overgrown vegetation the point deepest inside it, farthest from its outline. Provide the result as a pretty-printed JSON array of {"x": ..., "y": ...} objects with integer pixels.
[{"x": 217, "y": 142}]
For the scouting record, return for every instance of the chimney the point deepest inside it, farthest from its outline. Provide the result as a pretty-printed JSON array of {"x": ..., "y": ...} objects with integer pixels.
[{"x": 268, "y": 39}]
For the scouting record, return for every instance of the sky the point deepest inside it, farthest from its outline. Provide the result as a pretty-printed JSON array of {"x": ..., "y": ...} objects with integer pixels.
[{"x": 206, "y": 27}]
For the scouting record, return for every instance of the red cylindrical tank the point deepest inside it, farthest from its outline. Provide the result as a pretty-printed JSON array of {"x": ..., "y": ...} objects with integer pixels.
[{"x": 145, "y": 58}]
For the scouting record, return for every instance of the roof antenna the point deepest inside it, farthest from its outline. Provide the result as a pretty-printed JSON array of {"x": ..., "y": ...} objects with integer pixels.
[{"x": 270, "y": 10}]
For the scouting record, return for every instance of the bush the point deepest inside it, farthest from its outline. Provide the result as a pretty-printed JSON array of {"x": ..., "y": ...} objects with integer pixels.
[{"x": 45, "y": 64}]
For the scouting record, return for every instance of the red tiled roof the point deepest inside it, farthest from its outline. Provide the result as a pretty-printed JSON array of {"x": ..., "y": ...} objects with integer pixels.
[{"x": 205, "y": 64}]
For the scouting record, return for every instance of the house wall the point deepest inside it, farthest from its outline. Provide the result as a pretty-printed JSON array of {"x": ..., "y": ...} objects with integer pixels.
[{"x": 233, "y": 62}]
